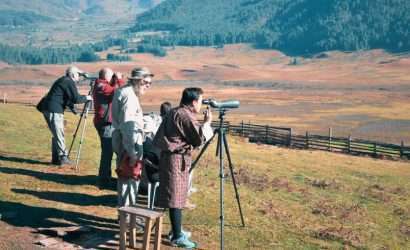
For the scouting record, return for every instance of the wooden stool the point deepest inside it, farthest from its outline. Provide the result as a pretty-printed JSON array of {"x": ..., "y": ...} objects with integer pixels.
[{"x": 150, "y": 218}]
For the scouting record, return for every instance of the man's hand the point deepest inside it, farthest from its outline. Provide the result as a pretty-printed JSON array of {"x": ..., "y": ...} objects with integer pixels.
[
  {"x": 118, "y": 75},
  {"x": 207, "y": 115},
  {"x": 89, "y": 98},
  {"x": 73, "y": 110}
]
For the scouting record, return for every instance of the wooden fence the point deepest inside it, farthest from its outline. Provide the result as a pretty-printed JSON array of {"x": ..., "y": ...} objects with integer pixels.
[{"x": 284, "y": 137}]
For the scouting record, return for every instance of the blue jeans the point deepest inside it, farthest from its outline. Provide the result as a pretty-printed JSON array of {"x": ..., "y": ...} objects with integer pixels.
[{"x": 105, "y": 134}]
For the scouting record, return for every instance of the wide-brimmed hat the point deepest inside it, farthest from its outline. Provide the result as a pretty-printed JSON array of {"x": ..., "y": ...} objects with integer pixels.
[{"x": 140, "y": 73}]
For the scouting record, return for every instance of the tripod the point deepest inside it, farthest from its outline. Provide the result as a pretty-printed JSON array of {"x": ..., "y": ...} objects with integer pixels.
[
  {"x": 222, "y": 144},
  {"x": 83, "y": 116}
]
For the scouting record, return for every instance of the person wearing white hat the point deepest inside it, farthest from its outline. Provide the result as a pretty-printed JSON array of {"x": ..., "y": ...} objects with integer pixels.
[
  {"x": 62, "y": 94},
  {"x": 128, "y": 135}
]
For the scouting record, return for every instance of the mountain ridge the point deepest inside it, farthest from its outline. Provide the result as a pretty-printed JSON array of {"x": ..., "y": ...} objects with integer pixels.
[
  {"x": 64, "y": 22},
  {"x": 293, "y": 26}
]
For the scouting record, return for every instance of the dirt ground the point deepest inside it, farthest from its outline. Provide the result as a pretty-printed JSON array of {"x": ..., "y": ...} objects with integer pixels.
[{"x": 362, "y": 94}]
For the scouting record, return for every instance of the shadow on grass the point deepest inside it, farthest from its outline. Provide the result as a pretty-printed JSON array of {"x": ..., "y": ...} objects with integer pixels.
[
  {"x": 72, "y": 198},
  {"x": 22, "y": 160},
  {"x": 67, "y": 179},
  {"x": 43, "y": 217}
]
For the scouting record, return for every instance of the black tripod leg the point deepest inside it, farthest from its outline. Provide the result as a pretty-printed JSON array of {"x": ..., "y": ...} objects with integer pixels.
[
  {"x": 218, "y": 144},
  {"x": 76, "y": 131},
  {"x": 219, "y": 153},
  {"x": 225, "y": 142},
  {"x": 202, "y": 152}
]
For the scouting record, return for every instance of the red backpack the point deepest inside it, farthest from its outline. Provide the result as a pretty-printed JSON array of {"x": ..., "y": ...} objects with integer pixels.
[{"x": 127, "y": 171}]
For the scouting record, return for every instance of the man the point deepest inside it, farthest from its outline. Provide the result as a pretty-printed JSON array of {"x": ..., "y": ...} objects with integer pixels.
[
  {"x": 178, "y": 135},
  {"x": 128, "y": 135},
  {"x": 62, "y": 94},
  {"x": 103, "y": 93}
]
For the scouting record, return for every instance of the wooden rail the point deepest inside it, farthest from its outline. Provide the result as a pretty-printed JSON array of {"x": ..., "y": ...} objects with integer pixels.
[{"x": 284, "y": 137}]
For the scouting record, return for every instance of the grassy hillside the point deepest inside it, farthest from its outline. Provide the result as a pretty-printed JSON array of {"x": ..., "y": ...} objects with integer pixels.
[
  {"x": 291, "y": 199},
  {"x": 301, "y": 26}
]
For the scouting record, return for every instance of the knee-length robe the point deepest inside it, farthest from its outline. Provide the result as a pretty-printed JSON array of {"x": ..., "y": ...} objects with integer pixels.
[{"x": 177, "y": 136}]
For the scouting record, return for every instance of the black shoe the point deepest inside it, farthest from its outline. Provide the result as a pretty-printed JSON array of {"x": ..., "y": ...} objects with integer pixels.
[
  {"x": 55, "y": 162},
  {"x": 65, "y": 161}
]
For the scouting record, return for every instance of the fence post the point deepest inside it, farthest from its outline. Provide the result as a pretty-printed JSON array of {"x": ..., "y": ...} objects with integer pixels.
[
  {"x": 307, "y": 140},
  {"x": 249, "y": 129},
  {"x": 4, "y": 98},
  {"x": 402, "y": 149},
  {"x": 349, "y": 144},
  {"x": 330, "y": 139},
  {"x": 266, "y": 134},
  {"x": 290, "y": 138},
  {"x": 242, "y": 128}
]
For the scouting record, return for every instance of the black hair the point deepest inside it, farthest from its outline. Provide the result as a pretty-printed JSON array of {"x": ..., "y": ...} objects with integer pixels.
[
  {"x": 189, "y": 95},
  {"x": 165, "y": 108}
]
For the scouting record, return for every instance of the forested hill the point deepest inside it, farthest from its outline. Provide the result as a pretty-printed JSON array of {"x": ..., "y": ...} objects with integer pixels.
[{"x": 293, "y": 26}]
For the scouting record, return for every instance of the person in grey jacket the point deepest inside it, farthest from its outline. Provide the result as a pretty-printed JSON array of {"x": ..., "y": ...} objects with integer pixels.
[
  {"x": 128, "y": 135},
  {"x": 62, "y": 94}
]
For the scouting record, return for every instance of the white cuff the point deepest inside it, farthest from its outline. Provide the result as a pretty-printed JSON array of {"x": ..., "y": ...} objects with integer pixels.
[{"x": 207, "y": 131}]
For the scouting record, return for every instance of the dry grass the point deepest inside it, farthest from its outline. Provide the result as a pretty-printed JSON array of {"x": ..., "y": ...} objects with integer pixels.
[
  {"x": 367, "y": 114},
  {"x": 364, "y": 94},
  {"x": 291, "y": 199}
]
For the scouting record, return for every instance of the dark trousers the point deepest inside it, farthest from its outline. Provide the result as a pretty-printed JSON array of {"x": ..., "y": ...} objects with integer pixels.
[
  {"x": 105, "y": 134},
  {"x": 175, "y": 216}
]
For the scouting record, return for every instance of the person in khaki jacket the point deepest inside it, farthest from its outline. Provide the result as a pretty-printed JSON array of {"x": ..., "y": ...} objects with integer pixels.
[{"x": 128, "y": 135}]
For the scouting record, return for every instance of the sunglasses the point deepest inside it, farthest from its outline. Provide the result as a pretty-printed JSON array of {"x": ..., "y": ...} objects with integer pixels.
[{"x": 146, "y": 81}]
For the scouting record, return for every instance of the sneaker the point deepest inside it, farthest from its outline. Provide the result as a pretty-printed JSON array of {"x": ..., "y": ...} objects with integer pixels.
[
  {"x": 186, "y": 233},
  {"x": 184, "y": 242}
]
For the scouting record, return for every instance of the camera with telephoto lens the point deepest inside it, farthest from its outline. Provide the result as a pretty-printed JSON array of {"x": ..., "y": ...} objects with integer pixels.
[
  {"x": 228, "y": 104},
  {"x": 87, "y": 76}
]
